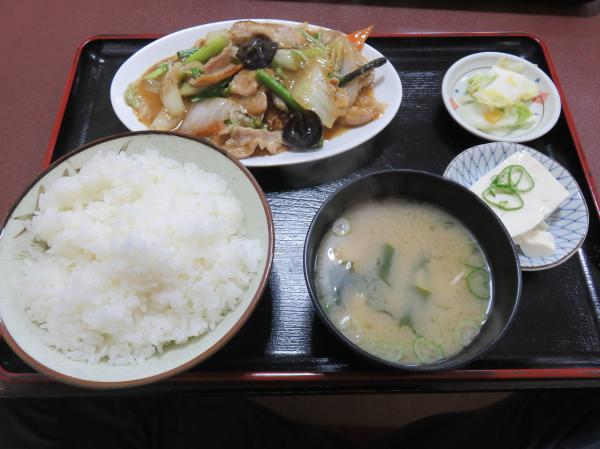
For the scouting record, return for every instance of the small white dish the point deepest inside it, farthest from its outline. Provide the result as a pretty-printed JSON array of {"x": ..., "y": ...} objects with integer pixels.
[
  {"x": 568, "y": 224},
  {"x": 387, "y": 89},
  {"x": 546, "y": 106},
  {"x": 26, "y": 338}
]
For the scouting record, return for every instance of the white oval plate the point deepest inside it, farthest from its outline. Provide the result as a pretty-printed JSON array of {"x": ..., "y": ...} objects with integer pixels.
[
  {"x": 546, "y": 107},
  {"x": 387, "y": 89},
  {"x": 27, "y": 339},
  {"x": 568, "y": 224}
]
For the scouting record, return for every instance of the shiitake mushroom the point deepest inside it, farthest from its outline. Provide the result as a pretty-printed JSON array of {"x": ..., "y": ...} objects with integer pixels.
[
  {"x": 303, "y": 130},
  {"x": 258, "y": 53}
]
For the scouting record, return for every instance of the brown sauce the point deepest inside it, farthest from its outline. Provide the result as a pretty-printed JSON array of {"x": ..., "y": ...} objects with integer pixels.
[
  {"x": 366, "y": 95},
  {"x": 151, "y": 99},
  {"x": 149, "y": 94},
  {"x": 337, "y": 130}
]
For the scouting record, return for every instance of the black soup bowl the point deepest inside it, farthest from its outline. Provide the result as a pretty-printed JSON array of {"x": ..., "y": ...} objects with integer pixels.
[{"x": 459, "y": 202}]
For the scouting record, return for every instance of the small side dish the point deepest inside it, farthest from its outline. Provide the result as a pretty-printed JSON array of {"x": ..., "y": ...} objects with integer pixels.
[
  {"x": 537, "y": 199},
  {"x": 499, "y": 96},
  {"x": 261, "y": 88},
  {"x": 523, "y": 194},
  {"x": 499, "y": 100},
  {"x": 403, "y": 280}
]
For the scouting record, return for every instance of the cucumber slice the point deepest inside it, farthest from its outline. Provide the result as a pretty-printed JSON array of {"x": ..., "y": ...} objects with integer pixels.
[
  {"x": 474, "y": 259},
  {"x": 465, "y": 332},
  {"x": 386, "y": 350},
  {"x": 427, "y": 351},
  {"x": 478, "y": 283}
]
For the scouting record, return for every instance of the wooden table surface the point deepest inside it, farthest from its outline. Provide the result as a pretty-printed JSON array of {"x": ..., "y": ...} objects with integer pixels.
[{"x": 39, "y": 39}]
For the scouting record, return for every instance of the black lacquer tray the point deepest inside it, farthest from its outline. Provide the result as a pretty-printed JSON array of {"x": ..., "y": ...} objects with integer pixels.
[{"x": 554, "y": 340}]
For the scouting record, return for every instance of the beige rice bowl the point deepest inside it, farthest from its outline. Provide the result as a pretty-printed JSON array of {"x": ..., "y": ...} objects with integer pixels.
[{"x": 130, "y": 255}]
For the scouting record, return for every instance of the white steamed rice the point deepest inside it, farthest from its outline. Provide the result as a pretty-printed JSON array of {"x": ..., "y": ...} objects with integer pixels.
[{"x": 144, "y": 251}]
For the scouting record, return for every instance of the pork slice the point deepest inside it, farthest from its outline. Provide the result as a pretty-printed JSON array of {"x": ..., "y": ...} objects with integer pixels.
[
  {"x": 208, "y": 79},
  {"x": 242, "y": 142},
  {"x": 255, "y": 105},
  {"x": 218, "y": 68},
  {"x": 365, "y": 110},
  {"x": 244, "y": 84},
  {"x": 286, "y": 36},
  {"x": 220, "y": 61}
]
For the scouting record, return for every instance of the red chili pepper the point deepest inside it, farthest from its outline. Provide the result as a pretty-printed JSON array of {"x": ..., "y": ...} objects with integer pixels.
[{"x": 359, "y": 37}]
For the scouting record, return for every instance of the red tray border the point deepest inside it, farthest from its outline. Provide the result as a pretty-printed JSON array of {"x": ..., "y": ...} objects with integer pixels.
[{"x": 358, "y": 378}]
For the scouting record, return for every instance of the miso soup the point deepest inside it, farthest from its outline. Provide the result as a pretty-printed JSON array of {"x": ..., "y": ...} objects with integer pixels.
[{"x": 404, "y": 281}]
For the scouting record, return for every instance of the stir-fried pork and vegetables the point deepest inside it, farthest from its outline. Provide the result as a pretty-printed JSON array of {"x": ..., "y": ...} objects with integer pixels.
[{"x": 261, "y": 88}]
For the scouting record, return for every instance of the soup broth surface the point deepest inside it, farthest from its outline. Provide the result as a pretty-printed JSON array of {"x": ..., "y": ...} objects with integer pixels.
[{"x": 403, "y": 280}]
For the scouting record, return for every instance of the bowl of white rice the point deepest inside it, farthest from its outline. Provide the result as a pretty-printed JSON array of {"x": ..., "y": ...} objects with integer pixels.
[{"x": 133, "y": 258}]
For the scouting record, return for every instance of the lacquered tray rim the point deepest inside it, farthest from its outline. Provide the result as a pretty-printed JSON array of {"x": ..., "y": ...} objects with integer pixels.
[
  {"x": 553, "y": 73},
  {"x": 354, "y": 378},
  {"x": 358, "y": 377}
]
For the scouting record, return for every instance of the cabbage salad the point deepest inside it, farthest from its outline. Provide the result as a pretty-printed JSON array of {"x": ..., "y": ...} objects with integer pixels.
[{"x": 499, "y": 100}]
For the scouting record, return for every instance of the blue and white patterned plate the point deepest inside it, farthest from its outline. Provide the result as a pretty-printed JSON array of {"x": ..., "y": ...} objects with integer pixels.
[{"x": 568, "y": 224}]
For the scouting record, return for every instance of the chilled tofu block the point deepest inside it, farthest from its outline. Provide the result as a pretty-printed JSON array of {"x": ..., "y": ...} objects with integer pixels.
[
  {"x": 538, "y": 204},
  {"x": 537, "y": 243}
]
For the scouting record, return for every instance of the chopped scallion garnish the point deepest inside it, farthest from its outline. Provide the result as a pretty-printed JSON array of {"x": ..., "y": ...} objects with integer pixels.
[
  {"x": 478, "y": 283},
  {"x": 504, "y": 191}
]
